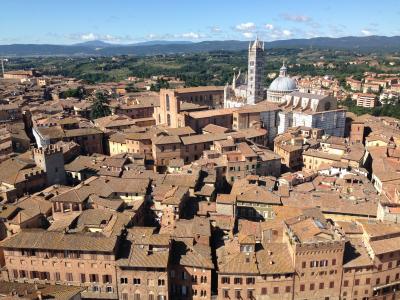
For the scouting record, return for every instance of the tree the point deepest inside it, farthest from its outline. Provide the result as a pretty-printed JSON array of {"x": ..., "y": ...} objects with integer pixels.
[
  {"x": 130, "y": 88},
  {"x": 160, "y": 84},
  {"x": 100, "y": 107},
  {"x": 79, "y": 93}
]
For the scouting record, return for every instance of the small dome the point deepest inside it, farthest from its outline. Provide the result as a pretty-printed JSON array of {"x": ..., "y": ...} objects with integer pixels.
[{"x": 283, "y": 84}]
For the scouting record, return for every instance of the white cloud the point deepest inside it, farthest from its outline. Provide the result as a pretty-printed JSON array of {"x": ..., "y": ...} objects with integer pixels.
[
  {"x": 93, "y": 36},
  {"x": 269, "y": 26},
  {"x": 297, "y": 18},
  {"x": 366, "y": 32},
  {"x": 249, "y": 26},
  {"x": 190, "y": 35},
  {"x": 88, "y": 37},
  {"x": 286, "y": 33},
  {"x": 248, "y": 34}
]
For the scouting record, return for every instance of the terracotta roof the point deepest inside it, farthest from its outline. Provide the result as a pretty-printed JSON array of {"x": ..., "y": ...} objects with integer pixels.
[
  {"x": 236, "y": 262},
  {"x": 52, "y": 240},
  {"x": 166, "y": 139},
  {"x": 356, "y": 255},
  {"x": 273, "y": 259},
  {"x": 30, "y": 291},
  {"x": 143, "y": 258},
  {"x": 198, "y": 256},
  {"x": 385, "y": 245}
]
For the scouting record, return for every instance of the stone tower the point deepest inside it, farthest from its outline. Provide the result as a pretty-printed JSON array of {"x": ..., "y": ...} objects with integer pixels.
[
  {"x": 255, "y": 73},
  {"x": 51, "y": 160}
]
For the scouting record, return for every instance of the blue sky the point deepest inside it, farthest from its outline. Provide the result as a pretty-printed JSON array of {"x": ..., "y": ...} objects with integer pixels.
[{"x": 127, "y": 21}]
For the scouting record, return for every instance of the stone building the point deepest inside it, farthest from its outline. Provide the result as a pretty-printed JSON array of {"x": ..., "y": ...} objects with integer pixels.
[
  {"x": 173, "y": 103},
  {"x": 143, "y": 274},
  {"x": 55, "y": 257},
  {"x": 51, "y": 160},
  {"x": 312, "y": 110}
]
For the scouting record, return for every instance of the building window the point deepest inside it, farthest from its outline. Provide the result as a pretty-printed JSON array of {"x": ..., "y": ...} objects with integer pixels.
[
  {"x": 368, "y": 281},
  {"x": 124, "y": 296},
  {"x": 250, "y": 280},
  {"x": 83, "y": 278},
  {"x": 57, "y": 276},
  {"x": 94, "y": 278},
  {"x": 334, "y": 262},
  {"x": 124, "y": 280},
  {"x": 167, "y": 102},
  {"x": 238, "y": 280},
  {"x": 69, "y": 277},
  {"x": 225, "y": 293},
  {"x": 107, "y": 279},
  {"x": 312, "y": 286},
  {"x": 321, "y": 286},
  {"x": 331, "y": 285},
  {"x": 276, "y": 290},
  {"x": 225, "y": 280},
  {"x": 288, "y": 289},
  {"x": 184, "y": 276},
  {"x": 136, "y": 296},
  {"x": 136, "y": 281},
  {"x": 168, "y": 120},
  {"x": 357, "y": 282},
  {"x": 264, "y": 291},
  {"x": 346, "y": 283},
  {"x": 302, "y": 287},
  {"x": 161, "y": 282},
  {"x": 238, "y": 294},
  {"x": 250, "y": 294}
]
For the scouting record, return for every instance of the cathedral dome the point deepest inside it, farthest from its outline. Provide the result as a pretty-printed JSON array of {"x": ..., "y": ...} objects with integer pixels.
[{"x": 284, "y": 84}]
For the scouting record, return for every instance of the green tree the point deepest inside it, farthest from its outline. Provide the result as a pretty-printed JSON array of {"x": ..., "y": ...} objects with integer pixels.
[
  {"x": 160, "y": 84},
  {"x": 100, "y": 107},
  {"x": 79, "y": 93}
]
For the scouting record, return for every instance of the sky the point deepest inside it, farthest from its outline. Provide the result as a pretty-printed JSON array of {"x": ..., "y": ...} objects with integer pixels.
[{"x": 130, "y": 21}]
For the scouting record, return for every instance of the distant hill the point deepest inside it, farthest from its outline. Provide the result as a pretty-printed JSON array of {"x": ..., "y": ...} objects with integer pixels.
[
  {"x": 94, "y": 48},
  {"x": 150, "y": 43}
]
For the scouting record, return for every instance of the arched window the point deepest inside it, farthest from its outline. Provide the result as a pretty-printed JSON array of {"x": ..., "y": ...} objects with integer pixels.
[
  {"x": 167, "y": 102},
  {"x": 168, "y": 120}
]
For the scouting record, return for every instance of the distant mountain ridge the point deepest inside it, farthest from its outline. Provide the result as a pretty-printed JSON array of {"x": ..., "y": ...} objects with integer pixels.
[{"x": 100, "y": 48}]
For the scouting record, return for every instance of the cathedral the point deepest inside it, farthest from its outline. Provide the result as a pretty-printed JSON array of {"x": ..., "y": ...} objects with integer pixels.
[
  {"x": 248, "y": 88},
  {"x": 287, "y": 107}
]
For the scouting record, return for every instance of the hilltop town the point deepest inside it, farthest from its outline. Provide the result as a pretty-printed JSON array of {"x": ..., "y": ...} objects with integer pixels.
[{"x": 152, "y": 189}]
